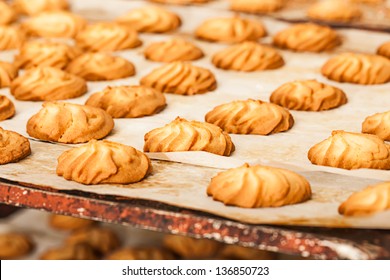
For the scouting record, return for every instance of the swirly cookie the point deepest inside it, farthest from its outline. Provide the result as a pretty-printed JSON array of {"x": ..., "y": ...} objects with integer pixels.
[
  {"x": 248, "y": 57},
  {"x": 7, "y": 108},
  {"x": 148, "y": 253},
  {"x": 57, "y": 24},
  {"x": 70, "y": 252},
  {"x": 8, "y": 73},
  {"x": 13, "y": 147},
  {"x": 173, "y": 50},
  {"x": 102, "y": 240},
  {"x": 11, "y": 37},
  {"x": 191, "y": 248},
  {"x": 308, "y": 37},
  {"x": 14, "y": 245},
  {"x": 259, "y": 186},
  {"x": 101, "y": 67},
  {"x": 69, "y": 123},
  {"x": 69, "y": 223},
  {"x": 107, "y": 36},
  {"x": 370, "y": 200},
  {"x": 47, "y": 84},
  {"x": 33, "y": 7},
  {"x": 45, "y": 53},
  {"x": 183, "y": 135},
  {"x": 250, "y": 117},
  {"x": 230, "y": 30},
  {"x": 334, "y": 10},
  {"x": 128, "y": 101},
  {"x": 378, "y": 124},
  {"x": 256, "y": 6},
  {"x": 384, "y": 50},
  {"x": 151, "y": 19},
  {"x": 364, "y": 69},
  {"x": 104, "y": 162},
  {"x": 308, "y": 95},
  {"x": 351, "y": 151},
  {"x": 180, "y": 78},
  {"x": 7, "y": 13}
]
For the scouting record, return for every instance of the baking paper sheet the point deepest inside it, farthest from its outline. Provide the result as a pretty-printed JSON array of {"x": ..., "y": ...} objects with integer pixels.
[{"x": 185, "y": 185}]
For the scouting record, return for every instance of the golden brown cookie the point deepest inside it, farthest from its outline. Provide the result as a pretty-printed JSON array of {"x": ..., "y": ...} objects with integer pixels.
[
  {"x": 47, "y": 83},
  {"x": 45, "y": 53},
  {"x": 7, "y": 14},
  {"x": 102, "y": 240},
  {"x": 69, "y": 123},
  {"x": 14, "y": 245},
  {"x": 230, "y": 30},
  {"x": 374, "y": 2},
  {"x": 235, "y": 252},
  {"x": 151, "y": 19},
  {"x": 182, "y": 135},
  {"x": 384, "y": 50},
  {"x": 61, "y": 222},
  {"x": 308, "y": 95},
  {"x": 8, "y": 72},
  {"x": 13, "y": 146},
  {"x": 378, "y": 124},
  {"x": 259, "y": 186},
  {"x": 364, "y": 69},
  {"x": 149, "y": 253},
  {"x": 180, "y": 2},
  {"x": 251, "y": 117},
  {"x": 11, "y": 37},
  {"x": 57, "y": 24},
  {"x": 191, "y": 248},
  {"x": 33, "y": 7},
  {"x": 101, "y": 67},
  {"x": 70, "y": 252},
  {"x": 128, "y": 101},
  {"x": 256, "y": 6},
  {"x": 370, "y": 200},
  {"x": 104, "y": 162},
  {"x": 248, "y": 57},
  {"x": 108, "y": 36},
  {"x": 173, "y": 50},
  {"x": 307, "y": 37},
  {"x": 351, "y": 151},
  {"x": 180, "y": 78},
  {"x": 7, "y": 108},
  {"x": 334, "y": 10}
]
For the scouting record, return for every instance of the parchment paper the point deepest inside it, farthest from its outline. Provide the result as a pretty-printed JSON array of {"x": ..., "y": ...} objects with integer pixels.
[{"x": 185, "y": 185}]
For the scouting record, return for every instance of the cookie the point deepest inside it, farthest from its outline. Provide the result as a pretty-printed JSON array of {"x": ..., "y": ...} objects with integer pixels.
[
  {"x": 104, "y": 162},
  {"x": 148, "y": 253},
  {"x": 61, "y": 222},
  {"x": 107, "y": 36},
  {"x": 7, "y": 14},
  {"x": 45, "y": 53},
  {"x": 151, "y": 19},
  {"x": 368, "y": 201},
  {"x": 256, "y": 6},
  {"x": 8, "y": 73},
  {"x": 13, "y": 147},
  {"x": 70, "y": 252},
  {"x": 101, "y": 67},
  {"x": 349, "y": 150},
  {"x": 183, "y": 135},
  {"x": 307, "y": 37},
  {"x": 230, "y": 30},
  {"x": 250, "y": 117},
  {"x": 308, "y": 95},
  {"x": 69, "y": 123},
  {"x": 56, "y": 24},
  {"x": 173, "y": 50},
  {"x": 191, "y": 248},
  {"x": 378, "y": 124},
  {"x": 14, "y": 245},
  {"x": 235, "y": 252},
  {"x": 11, "y": 37},
  {"x": 384, "y": 50},
  {"x": 334, "y": 10},
  {"x": 180, "y": 2},
  {"x": 33, "y": 7},
  {"x": 7, "y": 108},
  {"x": 180, "y": 78},
  {"x": 128, "y": 101},
  {"x": 47, "y": 84},
  {"x": 248, "y": 57},
  {"x": 364, "y": 69}
]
